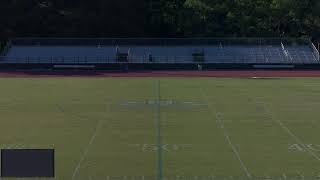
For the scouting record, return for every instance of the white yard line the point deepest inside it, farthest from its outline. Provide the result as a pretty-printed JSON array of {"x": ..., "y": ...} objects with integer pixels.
[
  {"x": 217, "y": 116},
  {"x": 285, "y": 128},
  {"x": 84, "y": 155},
  {"x": 86, "y": 150}
]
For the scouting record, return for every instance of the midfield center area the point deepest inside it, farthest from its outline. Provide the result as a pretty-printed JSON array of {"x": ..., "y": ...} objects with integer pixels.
[{"x": 166, "y": 128}]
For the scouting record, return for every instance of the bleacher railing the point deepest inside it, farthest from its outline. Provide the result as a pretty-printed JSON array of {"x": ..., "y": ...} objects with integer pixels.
[
  {"x": 265, "y": 54},
  {"x": 286, "y": 52},
  {"x": 315, "y": 51},
  {"x": 156, "y": 41}
]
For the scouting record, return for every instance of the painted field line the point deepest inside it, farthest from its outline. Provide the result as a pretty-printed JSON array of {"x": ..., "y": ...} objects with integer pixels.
[
  {"x": 217, "y": 116},
  {"x": 285, "y": 128},
  {"x": 99, "y": 124},
  {"x": 84, "y": 155},
  {"x": 159, "y": 133}
]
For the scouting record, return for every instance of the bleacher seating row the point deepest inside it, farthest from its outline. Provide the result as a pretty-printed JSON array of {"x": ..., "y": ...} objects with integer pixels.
[{"x": 218, "y": 53}]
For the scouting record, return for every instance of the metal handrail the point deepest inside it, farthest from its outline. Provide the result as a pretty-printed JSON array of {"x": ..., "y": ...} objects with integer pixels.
[
  {"x": 156, "y": 41},
  {"x": 315, "y": 51}
]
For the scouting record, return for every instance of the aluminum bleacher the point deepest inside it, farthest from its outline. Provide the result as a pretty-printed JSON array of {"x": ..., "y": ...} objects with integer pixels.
[{"x": 215, "y": 50}]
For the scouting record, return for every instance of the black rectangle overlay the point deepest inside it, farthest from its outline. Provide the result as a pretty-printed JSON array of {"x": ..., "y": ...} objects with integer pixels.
[{"x": 27, "y": 163}]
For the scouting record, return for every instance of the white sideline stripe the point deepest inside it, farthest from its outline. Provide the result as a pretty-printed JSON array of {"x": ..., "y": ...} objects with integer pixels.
[
  {"x": 299, "y": 141},
  {"x": 76, "y": 170},
  {"x": 235, "y": 151}
]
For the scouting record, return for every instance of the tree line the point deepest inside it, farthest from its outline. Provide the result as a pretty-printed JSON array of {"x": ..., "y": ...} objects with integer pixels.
[{"x": 159, "y": 18}]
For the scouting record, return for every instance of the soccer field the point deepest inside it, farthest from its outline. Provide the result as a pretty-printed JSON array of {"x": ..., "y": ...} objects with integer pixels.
[{"x": 166, "y": 128}]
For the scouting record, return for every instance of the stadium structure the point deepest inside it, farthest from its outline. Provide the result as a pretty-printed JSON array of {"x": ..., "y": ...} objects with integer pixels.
[
  {"x": 159, "y": 53},
  {"x": 60, "y": 119}
]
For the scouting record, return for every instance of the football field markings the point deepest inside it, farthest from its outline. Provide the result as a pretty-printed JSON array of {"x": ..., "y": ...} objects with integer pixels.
[
  {"x": 298, "y": 147},
  {"x": 84, "y": 155},
  {"x": 159, "y": 139},
  {"x": 217, "y": 116},
  {"x": 164, "y": 147},
  {"x": 286, "y": 129},
  {"x": 152, "y": 103}
]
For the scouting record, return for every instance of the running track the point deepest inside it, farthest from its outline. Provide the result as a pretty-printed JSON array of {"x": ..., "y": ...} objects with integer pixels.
[{"x": 249, "y": 73}]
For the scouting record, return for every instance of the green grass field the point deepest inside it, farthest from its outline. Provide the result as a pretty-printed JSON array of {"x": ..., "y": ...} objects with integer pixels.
[{"x": 166, "y": 128}]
